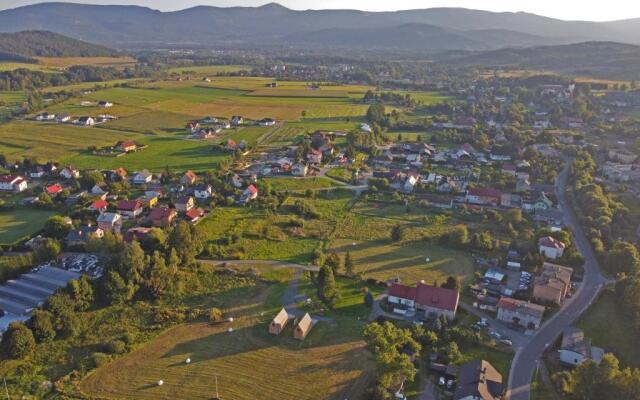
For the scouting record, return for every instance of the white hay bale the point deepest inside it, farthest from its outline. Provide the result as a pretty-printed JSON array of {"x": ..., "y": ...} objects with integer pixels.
[
  {"x": 230, "y": 330},
  {"x": 160, "y": 382},
  {"x": 187, "y": 361}
]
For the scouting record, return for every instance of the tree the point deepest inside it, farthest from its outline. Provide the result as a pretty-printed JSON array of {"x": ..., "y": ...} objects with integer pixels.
[
  {"x": 450, "y": 353},
  {"x": 154, "y": 240},
  {"x": 623, "y": 258},
  {"x": 18, "y": 341},
  {"x": 91, "y": 178},
  {"x": 81, "y": 292},
  {"x": 376, "y": 114},
  {"x": 348, "y": 264},
  {"x": 453, "y": 282},
  {"x": 458, "y": 236},
  {"x": 333, "y": 261},
  {"x": 160, "y": 279},
  {"x": 187, "y": 242},
  {"x": 368, "y": 299},
  {"x": 116, "y": 290},
  {"x": 327, "y": 286},
  {"x": 56, "y": 227},
  {"x": 48, "y": 250},
  {"x": 130, "y": 263},
  {"x": 397, "y": 233},
  {"x": 482, "y": 241},
  {"x": 41, "y": 324}
]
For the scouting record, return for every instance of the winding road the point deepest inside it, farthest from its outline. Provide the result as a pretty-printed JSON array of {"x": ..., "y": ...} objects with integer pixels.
[{"x": 529, "y": 355}]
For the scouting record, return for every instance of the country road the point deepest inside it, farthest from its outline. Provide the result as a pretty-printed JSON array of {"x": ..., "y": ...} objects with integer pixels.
[{"x": 527, "y": 357}]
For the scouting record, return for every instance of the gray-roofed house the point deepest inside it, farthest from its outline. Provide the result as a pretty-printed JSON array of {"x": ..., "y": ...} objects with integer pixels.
[
  {"x": 478, "y": 380},
  {"x": 576, "y": 349}
]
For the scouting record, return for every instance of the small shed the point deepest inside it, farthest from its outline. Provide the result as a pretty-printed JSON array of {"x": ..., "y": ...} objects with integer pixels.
[
  {"x": 304, "y": 326},
  {"x": 279, "y": 322}
]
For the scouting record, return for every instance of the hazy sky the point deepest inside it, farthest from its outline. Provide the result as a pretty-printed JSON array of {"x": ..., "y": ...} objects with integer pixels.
[{"x": 594, "y": 10}]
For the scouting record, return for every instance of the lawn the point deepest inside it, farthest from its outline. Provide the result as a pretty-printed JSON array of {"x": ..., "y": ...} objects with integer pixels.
[
  {"x": 299, "y": 184},
  {"x": 607, "y": 327},
  {"x": 247, "y": 363},
  {"x": 380, "y": 259},
  {"x": 21, "y": 223}
]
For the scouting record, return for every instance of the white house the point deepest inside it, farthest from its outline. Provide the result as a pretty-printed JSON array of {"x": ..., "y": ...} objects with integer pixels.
[
  {"x": 576, "y": 349},
  {"x": 551, "y": 247},
  {"x": 410, "y": 183},
  {"x": 519, "y": 312},
  {"x": 85, "y": 121},
  {"x": 12, "y": 183},
  {"x": 105, "y": 104},
  {"x": 299, "y": 169},
  {"x": 203, "y": 191},
  {"x": 69, "y": 173},
  {"x": 142, "y": 177}
]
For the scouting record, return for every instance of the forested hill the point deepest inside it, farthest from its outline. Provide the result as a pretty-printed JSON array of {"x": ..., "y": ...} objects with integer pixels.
[{"x": 28, "y": 44}]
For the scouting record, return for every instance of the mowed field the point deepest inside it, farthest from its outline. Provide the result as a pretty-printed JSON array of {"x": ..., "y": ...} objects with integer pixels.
[
  {"x": 18, "y": 224},
  {"x": 64, "y": 62},
  {"x": 248, "y": 363}
]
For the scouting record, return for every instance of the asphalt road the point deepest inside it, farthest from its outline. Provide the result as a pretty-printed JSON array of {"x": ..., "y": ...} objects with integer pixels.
[{"x": 527, "y": 357}]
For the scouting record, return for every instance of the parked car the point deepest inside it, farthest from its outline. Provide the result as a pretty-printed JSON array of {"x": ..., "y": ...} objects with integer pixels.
[
  {"x": 506, "y": 342},
  {"x": 442, "y": 381}
]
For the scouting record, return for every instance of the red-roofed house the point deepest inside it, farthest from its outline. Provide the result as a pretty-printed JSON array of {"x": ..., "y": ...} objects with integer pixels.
[
  {"x": 99, "y": 206},
  {"x": 12, "y": 183},
  {"x": 162, "y": 216},
  {"x": 53, "y": 190},
  {"x": 129, "y": 208},
  {"x": 250, "y": 193},
  {"x": 432, "y": 300},
  {"x": 127, "y": 146},
  {"x": 483, "y": 197},
  {"x": 193, "y": 127},
  {"x": 194, "y": 214},
  {"x": 551, "y": 247},
  {"x": 189, "y": 178}
]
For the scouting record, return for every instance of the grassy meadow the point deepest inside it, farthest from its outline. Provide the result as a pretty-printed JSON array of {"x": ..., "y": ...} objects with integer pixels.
[{"x": 21, "y": 223}]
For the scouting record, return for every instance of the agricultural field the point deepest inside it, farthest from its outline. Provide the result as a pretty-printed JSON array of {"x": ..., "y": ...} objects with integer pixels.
[
  {"x": 64, "y": 62},
  {"x": 21, "y": 223},
  {"x": 209, "y": 69},
  {"x": 248, "y": 362},
  {"x": 12, "y": 66},
  {"x": 299, "y": 184}
]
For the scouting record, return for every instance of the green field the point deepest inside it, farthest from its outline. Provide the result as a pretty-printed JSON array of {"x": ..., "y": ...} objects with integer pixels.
[
  {"x": 248, "y": 363},
  {"x": 607, "y": 327},
  {"x": 209, "y": 69},
  {"x": 20, "y": 224},
  {"x": 299, "y": 184}
]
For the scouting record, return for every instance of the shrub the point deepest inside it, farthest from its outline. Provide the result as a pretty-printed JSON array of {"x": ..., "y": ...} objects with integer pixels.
[
  {"x": 99, "y": 359},
  {"x": 215, "y": 315},
  {"x": 116, "y": 347},
  {"x": 18, "y": 341}
]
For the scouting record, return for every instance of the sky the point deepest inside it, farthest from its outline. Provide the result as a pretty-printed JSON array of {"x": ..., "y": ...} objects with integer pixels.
[{"x": 590, "y": 10}]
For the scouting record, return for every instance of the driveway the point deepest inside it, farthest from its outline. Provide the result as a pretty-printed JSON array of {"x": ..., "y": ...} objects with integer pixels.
[{"x": 528, "y": 357}]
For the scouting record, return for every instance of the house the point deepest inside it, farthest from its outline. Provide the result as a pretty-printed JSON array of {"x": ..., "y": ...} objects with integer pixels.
[
  {"x": 410, "y": 183},
  {"x": 478, "y": 380},
  {"x": 99, "y": 205},
  {"x": 86, "y": 121},
  {"x": 69, "y": 173},
  {"x": 126, "y": 146},
  {"x": 510, "y": 200},
  {"x": 110, "y": 222},
  {"x": 142, "y": 177},
  {"x": 12, "y": 183},
  {"x": 314, "y": 156},
  {"x": 303, "y": 327},
  {"x": 483, "y": 196},
  {"x": 194, "y": 214},
  {"x": 105, "y": 104},
  {"x": 149, "y": 199},
  {"x": 231, "y": 145},
  {"x": 210, "y": 120},
  {"x": 520, "y": 312},
  {"x": 538, "y": 201},
  {"x": 118, "y": 174},
  {"x": 552, "y": 217},
  {"x": 45, "y": 116},
  {"x": 189, "y": 178},
  {"x": 61, "y": 118},
  {"x": 53, "y": 190},
  {"x": 551, "y": 247},
  {"x": 266, "y": 122},
  {"x": 553, "y": 284},
  {"x": 250, "y": 193},
  {"x": 236, "y": 120},
  {"x": 193, "y": 127},
  {"x": 129, "y": 208},
  {"x": 432, "y": 300},
  {"x": 203, "y": 191},
  {"x": 162, "y": 216},
  {"x": 576, "y": 349},
  {"x": 80, "y": 236},
  {"x": 184, "y": 203},
  {"x": 448, "y": 185},
  {"x": 299, "y": 169},
  {"x": 279, "y": 322},
  {"x": 137, "y": 233},
  {"x": 509, "y": 169},
  {"x": 207, "y": 133},
  {"x": 99, "y": 189}
]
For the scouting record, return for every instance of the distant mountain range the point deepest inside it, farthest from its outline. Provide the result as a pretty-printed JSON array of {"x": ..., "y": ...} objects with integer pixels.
[{"x": 428, "y": 30}]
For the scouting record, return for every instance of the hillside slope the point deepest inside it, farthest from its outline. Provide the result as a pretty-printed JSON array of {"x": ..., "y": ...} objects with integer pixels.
[{"x": 48, "y": 44}]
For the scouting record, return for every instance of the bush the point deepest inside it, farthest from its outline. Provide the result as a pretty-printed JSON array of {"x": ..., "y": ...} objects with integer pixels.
[
  {"x": 18, "y": 341},
  {"x": 99, "y": 359},
  {"x": 215, "y": 315},
  {"x": 163, "y": 315},
  {"x": 41, "y": 324},
  {"x": 116, "y": 347}
]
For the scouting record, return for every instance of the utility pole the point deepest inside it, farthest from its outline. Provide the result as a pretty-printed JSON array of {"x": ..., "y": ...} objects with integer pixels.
[
  {"x": 217, "y": 395},
  {"x": 6, "y": 390}
]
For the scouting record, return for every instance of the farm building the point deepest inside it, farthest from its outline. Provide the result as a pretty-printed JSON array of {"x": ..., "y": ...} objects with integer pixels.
[
  {"x": 303, "y": 328},
  {"x": 279, "y": 322}
]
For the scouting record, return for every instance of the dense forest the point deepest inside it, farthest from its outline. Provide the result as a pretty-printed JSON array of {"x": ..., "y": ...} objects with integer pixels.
[{"x": 47, "y": 44}]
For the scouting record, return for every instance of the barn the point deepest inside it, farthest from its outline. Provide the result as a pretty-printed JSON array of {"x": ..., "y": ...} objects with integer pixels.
[
  {"x": 304, "y": 326},
  {"x": 279, "y": 322}
]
